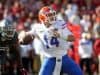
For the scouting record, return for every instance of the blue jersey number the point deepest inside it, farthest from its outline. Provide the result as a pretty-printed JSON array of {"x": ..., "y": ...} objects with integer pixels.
[{"x": 53, "y": 41}]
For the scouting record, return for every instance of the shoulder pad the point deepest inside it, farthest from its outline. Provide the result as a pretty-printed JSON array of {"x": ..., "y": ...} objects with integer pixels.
[{"x": 60, "y": 24}]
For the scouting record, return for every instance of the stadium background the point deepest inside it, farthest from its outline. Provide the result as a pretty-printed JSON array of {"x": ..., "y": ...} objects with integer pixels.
[{"x": 24, "y": 13}]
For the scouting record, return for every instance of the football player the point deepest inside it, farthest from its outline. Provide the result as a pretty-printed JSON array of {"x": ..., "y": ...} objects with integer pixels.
[
  {"x": 9, "y": 48},
  {"x": 52, "y": 39}
]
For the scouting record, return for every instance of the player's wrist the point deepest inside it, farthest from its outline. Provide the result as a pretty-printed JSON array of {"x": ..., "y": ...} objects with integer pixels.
[{"x": 57, "y": 35}]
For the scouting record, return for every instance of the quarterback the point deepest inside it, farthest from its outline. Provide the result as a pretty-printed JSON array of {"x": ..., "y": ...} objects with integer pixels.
[{"x": 52, "y": 39}]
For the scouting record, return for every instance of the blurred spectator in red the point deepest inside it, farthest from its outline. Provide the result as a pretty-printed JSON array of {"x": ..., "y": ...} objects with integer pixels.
[
  {"x": 88, "y": 4},
  {"x": 25, "y": 21},
  {"x": 20, "y": 23},
  {"x": 97, "y": 46},
  {"x": 47, "y": 2},
  {"x": 96, "y": 18},
  {"x": 96, "y": 3},
  {"x": 56, "y": 5},
  {"x": 1, "y": 10},
  {"x": 20, "y": 27},
  {"x": 93, "y": 18},
  {"x": 81, "y": 3},
  {"x": 16, "y": 9}
]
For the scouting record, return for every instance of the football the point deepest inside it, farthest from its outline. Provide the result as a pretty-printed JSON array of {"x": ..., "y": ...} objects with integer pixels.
[{"x": 27, "y": 39}]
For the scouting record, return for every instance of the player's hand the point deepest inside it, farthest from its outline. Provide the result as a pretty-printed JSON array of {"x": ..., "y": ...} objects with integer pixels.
[
  {"x": 56, "y": 33},
  {"x": 21, "y": 35}
]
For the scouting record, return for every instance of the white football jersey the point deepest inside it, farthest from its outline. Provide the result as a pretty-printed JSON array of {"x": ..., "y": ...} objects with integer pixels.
[{"x": 45, "y": 43}]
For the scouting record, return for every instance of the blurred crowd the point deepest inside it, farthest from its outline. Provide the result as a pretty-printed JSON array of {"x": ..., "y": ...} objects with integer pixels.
[{"x": 82, "y": 17}]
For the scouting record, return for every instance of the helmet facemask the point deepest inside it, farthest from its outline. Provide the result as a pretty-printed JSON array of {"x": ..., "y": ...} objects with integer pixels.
[
  {"x": 8, "y": 32},
  {"x": 51, "y": 17}
]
